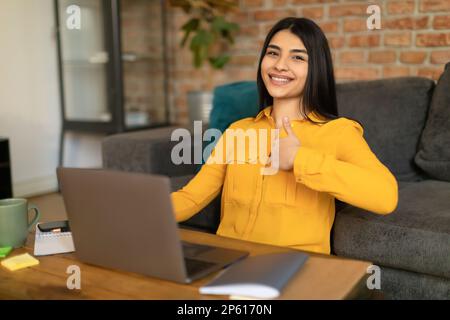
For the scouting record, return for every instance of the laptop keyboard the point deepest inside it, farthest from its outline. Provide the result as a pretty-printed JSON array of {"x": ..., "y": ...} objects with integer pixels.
[
  {"x": 192, "y": 250},
  {"x": 194, "y": 266}
]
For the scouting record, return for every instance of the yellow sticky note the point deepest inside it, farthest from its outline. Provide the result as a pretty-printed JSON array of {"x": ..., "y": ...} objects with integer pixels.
[{"x": 20, "y": 262}]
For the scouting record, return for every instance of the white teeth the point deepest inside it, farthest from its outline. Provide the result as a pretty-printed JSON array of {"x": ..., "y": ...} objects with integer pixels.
[{"x": 280, "y": 79}]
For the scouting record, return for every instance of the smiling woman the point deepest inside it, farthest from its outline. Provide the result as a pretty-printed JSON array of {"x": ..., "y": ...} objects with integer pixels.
[
  {"x": 321, "y": 157},
  {"x": 278, "y": 60},
  {"x": 297, "y": 49}
]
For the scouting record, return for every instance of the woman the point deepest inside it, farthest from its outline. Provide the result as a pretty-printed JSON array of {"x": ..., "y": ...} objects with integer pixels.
[{"x": 321, "y": 156}]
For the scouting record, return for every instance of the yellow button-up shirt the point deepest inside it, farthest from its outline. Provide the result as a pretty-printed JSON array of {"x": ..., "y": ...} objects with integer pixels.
[{"x": 291, "y": 208}]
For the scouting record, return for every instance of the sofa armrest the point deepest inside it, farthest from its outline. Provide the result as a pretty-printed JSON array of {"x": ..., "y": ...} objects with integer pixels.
[{"x": 146, "y": 151}]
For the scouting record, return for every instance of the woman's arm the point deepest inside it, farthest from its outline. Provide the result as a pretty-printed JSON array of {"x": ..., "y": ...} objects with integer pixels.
[
  {"x": 200, "y": 191},
  {"x": 202, "y": 188},
  {"x": 354, "y": 176}
]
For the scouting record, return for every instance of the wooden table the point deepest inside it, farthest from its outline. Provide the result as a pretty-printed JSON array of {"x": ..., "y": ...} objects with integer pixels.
[{"x": 322, "y": 277}]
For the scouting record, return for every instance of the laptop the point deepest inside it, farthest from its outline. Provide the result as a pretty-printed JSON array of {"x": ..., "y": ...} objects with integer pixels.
[{"x": 125, "y": 221}]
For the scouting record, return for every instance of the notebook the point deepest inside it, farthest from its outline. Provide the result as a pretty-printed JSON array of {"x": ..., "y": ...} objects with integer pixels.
[
  {"x": 262, "y": 276},
  {"x": 47, "y": 243}
]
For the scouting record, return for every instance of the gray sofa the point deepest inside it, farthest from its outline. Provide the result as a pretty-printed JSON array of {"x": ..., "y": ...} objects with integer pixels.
[{"x": 407, "y": 124}]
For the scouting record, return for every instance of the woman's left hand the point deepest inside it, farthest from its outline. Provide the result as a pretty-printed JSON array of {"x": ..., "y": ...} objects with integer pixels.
[{"x": 288, "y": 147}]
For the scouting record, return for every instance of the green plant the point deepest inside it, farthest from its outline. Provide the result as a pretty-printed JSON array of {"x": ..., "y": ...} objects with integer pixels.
[{"x": 208, "y": 29}]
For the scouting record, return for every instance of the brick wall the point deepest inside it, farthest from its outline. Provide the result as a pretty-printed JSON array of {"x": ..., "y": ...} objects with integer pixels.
[{"x": 414, "y": 40}]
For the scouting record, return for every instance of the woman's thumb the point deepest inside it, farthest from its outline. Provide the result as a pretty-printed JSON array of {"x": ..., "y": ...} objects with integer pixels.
[{"x": 287, "y": 125}]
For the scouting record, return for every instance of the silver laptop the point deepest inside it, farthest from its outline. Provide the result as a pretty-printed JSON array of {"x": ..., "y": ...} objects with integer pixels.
[{"x": 125, "y": 221}]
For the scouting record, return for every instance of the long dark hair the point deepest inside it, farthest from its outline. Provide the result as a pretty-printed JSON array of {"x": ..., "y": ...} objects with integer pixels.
[{"x": 319, "y": 94}]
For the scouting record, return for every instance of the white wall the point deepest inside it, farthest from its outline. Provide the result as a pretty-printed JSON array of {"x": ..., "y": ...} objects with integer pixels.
[{"x": 29, "y": 99}]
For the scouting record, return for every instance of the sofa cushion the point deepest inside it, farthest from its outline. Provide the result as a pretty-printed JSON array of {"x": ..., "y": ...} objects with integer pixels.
[
  {"x": 208, "y": 218},
  {"x": 434, "y": 150},
  {"x": 415, "y": 237},
  {"x": 404, "y": 285},
  {"x": 232, "y": 102},
  {"x": 393, "y": 113},
  {"x": 146, "y": 151}
]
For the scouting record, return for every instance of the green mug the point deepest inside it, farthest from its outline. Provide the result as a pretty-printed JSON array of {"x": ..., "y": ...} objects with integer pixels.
[{"x": 14, "y": 226}]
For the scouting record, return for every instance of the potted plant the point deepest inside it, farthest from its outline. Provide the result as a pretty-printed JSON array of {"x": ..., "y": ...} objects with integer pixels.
[{"x": 208, "y": 34}]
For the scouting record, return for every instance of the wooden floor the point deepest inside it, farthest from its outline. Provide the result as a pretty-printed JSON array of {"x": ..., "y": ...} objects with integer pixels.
[{"x": 51, "y": 206}]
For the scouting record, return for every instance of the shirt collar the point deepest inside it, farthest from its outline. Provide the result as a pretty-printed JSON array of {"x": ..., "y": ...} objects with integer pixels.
[
  {"x": 268, "y": 110},
  {"x": 265, "y": 112}
]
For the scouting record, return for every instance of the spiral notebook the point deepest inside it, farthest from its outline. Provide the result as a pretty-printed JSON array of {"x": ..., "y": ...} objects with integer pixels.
[{"x": 47, "y": 243}]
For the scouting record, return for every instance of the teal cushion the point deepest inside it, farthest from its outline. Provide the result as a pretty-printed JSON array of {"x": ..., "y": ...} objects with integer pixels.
[{"x": 232, "y": 102}]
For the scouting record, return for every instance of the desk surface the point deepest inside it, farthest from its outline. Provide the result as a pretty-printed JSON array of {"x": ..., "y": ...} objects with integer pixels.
[{"x": 322, "y": 277}]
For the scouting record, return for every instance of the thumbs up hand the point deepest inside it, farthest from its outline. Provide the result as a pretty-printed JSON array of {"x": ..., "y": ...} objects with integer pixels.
[{"x": 288, "y": 147}]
